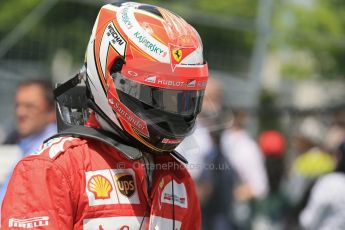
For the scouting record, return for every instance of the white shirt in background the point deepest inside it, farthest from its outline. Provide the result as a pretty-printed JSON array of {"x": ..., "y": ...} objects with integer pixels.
[
  {"x": 326, "y": 207},
  {"x": 245, "y": 157}
]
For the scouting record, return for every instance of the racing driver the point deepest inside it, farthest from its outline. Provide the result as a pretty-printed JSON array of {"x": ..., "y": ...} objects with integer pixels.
[{"x": 113, "y": 164}]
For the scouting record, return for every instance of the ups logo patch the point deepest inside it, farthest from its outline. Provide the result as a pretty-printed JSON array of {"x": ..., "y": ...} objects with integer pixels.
[{"x": 125, "y": 184}]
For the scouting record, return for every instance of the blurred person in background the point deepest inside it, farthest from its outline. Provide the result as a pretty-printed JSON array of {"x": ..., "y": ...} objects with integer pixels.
[
  {"x": 326, "y": 206},
  {"x": 35, "y": 119},
  {"x": 215, "y": 178},
  {"x": 272, "y": 210},
  {"x": 245, "y": 157},
  {"x": 310, "y": 163},
  {"x": 335, "y": 134},
  {"x": 35, "y": 115}
]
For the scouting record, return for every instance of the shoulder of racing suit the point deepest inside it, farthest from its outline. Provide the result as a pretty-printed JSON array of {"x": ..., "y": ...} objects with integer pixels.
[{"x": 54, "y": 147}]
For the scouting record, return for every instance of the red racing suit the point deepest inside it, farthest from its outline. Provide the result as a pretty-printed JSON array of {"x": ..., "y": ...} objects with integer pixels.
[{"x": 73, "y": 183}]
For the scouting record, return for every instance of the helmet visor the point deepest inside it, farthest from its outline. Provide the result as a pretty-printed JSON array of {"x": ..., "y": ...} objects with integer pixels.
[{"x": 179, "y": 102}]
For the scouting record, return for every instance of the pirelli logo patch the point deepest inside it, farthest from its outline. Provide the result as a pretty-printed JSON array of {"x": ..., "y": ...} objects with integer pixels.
[{"x": 34, "y": 222}]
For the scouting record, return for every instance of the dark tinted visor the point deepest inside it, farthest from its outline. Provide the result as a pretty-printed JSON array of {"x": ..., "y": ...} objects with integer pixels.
[{"x": 181, "y": 102}]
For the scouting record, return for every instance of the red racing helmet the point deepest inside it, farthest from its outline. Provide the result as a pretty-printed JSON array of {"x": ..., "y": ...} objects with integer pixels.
[{"x": 146, "y": 73}]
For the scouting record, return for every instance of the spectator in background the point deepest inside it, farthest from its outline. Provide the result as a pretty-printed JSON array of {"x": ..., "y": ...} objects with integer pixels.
[
  {"x": 35, "y": 118},
  {"x": 335, "y": 134},
  {"x": 244, "y": 155},
  {"x": 273, "y": 146},
  {"x": 326, "y": 206},
  {"x": 35, "y": 115},
  {"x": 311, "y": 163},
  {"x": 272, "y": 210}
]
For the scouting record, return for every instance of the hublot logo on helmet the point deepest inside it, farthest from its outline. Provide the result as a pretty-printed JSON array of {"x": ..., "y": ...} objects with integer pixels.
[{"x": 171, "y": 83}]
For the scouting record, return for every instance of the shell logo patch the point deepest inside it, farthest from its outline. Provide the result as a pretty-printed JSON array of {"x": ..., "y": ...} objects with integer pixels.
[
  {"x": 125, "y": 184},
  {"x": 100, "y": 187},
  {"x": 177, "y": 54}
]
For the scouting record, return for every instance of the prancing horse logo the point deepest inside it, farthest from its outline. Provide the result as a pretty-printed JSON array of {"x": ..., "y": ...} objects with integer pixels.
[{"x": 177, "y": 54}]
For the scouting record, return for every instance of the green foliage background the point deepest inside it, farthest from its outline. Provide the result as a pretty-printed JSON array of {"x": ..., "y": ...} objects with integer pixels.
[{"x": 317, "y": 29}]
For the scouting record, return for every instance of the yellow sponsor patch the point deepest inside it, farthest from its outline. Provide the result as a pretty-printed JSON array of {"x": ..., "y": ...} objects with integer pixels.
[{"x": 100, "y": 187}]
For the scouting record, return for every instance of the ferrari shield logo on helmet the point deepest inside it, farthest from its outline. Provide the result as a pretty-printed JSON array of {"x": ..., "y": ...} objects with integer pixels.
[{"x": 177, "y": 54}]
